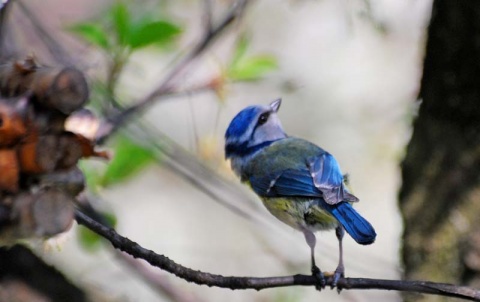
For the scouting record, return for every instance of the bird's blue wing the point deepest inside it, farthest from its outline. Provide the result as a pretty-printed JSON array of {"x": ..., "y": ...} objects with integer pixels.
[
  {"x": 299, "y": 169},
  {"x": 327, "y": 177},
  {"x": 286, "y": 183}
]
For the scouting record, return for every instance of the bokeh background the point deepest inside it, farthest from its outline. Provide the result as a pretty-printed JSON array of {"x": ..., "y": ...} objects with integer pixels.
[{"x": 348, "y": 73}]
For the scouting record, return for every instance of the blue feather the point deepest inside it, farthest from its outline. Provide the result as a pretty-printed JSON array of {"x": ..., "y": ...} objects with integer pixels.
[
  {"x": 355, "y": 225},
  {"x": 327, "y": 170},
  {"x": 287, "y": 183},
  {"x": 296, "y": 169},
  {"x": 241, "y": 121}
]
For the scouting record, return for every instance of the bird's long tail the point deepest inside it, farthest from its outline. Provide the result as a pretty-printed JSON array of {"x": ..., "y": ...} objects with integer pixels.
[{"x": 358, "y": 227}]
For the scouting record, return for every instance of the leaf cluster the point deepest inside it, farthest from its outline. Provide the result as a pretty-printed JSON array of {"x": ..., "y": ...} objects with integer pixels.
[{"x": 123, "y": 31}]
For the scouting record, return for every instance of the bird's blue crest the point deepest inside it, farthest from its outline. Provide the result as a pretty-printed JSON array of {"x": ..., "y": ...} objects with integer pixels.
[{"x": 242, "y": 121}]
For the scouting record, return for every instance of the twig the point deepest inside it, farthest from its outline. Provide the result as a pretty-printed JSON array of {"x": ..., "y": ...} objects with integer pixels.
[
  {"x": 166, "y": 85},
  {"x": 54, "y": 47},
  {"x": 165, "y": 88},
  {"x": 175, "y": 158},
  {"x": 157, "y": 281},
  {"x": 6, "y": 44},
  {"x": 231, "y": 282},
  {"x": 221, "y": 190},
  {"x": 208, "y": 15}
]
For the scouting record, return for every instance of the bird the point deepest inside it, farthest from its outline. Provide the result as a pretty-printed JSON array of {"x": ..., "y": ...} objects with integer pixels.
[{"x": 299, "y": 183}]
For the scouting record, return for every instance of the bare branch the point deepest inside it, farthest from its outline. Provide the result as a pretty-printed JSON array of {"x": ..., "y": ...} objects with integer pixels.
[
  {"x": 199, "y": 175},
  {"x": 165, "y": 89},
  {"x": 231, "y": 282},
  {"x": 53, "y": 46},
  {"x": 158, "y": 281},
  {"x": 7, "y": 47},
  {"x": 208, "y": 15},
  {"x": 165, "y": 86}
]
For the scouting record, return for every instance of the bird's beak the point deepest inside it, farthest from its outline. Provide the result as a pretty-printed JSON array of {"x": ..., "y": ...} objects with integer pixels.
[{"x": 275, "y": 105}]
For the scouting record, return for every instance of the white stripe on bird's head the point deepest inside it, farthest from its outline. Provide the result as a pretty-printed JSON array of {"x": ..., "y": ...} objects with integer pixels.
[{"x": 255, "y": 125}]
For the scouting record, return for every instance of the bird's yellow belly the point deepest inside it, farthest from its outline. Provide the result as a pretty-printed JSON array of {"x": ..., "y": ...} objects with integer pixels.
[{"x": 300, "y": 213}]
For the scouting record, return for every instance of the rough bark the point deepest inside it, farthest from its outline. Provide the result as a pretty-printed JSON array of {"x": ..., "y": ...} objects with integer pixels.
[{"x": 440, "y": 195}]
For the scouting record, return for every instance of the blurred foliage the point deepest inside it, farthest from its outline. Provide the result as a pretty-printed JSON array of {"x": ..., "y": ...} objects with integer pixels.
[
  {"x": 287, "y": 295},
  {"x": 242, "y": 67},
  {"x": 122, "y": 31},
  {"x": 92, "y": 33},
  {"x": 119, "y": 34},
  {"x": 128, "y": 160},
  {"x": 92, "y": 241},
  {"x": 92, "y": 174},
  {"x": 249, "y": 68}
]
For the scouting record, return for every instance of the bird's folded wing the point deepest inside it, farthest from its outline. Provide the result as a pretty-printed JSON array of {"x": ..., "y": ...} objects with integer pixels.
[
  {"x": 286, "y": 183},
  {"x": 327, "y": 177},
  {"x": 320, "y": 178}
]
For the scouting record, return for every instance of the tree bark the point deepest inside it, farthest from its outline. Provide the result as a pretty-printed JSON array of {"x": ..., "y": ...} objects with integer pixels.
[{"x": 440, "y": 195}]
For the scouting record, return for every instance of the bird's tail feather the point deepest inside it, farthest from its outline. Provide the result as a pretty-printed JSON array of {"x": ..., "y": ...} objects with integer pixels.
[{"x": 358, "y": 227}]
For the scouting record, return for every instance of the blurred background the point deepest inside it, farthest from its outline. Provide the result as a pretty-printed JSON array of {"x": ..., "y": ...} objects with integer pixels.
[{"x": 349, "y": 75}]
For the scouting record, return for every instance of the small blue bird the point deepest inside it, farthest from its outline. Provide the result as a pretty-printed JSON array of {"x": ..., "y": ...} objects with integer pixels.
[{"x": 298, "y": 182}]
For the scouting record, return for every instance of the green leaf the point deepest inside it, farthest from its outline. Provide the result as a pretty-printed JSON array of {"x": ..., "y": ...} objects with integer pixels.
[
  {"x": 121, "y": 22},
  {"x": 157, "y": 32},
  {"x": 253, "y": 68},
  {"x": 129, "y": 159},
  {"x": 243, "y": 68},
  {"x": 240, "y": 50},
  {"x": 91, "y": 33}
]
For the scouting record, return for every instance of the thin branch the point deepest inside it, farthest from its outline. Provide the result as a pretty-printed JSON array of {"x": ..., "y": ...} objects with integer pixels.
[
  {"x": 227, "y": 193},
  {"x": 175, "y": 158},
  {"x": 208, "y": 15},
  {"x": 165, "y": 86},
  {"x": 203, "y": 278},
  {"x": 158, "y": 281},
  {"x": 55, "y": 48},
  {"x": 7, "y": 45}
]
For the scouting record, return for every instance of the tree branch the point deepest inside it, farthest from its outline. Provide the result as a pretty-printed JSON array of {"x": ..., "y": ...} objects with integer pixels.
[
  {"x": 7, "y": 45},
  {"x": 157, "y": 280},
  {"x": 165, "y": 87},
  {"x": 55, "y": 48},
  {"x": 231, "y": 282}
]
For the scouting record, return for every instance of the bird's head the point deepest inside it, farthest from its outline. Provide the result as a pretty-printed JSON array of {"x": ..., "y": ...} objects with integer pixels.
[{"x": 252, "y": 128}]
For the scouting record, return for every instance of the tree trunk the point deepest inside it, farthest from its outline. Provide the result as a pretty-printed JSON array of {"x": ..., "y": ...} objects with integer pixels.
[{"x": 440, "y": 195}]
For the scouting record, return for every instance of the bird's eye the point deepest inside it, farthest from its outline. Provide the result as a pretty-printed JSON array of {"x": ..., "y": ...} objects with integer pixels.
[{"x": 263, "y": 118}]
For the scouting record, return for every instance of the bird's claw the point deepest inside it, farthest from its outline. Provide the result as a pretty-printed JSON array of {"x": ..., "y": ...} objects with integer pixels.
[
  {"x": 339, "y": 273},
  {"x": 321, "y": 282}
]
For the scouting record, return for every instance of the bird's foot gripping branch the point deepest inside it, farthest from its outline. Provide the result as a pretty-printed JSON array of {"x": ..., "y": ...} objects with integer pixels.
[
  {"x": 202, "y": 278},
  {"x": 299, "y": 183}
]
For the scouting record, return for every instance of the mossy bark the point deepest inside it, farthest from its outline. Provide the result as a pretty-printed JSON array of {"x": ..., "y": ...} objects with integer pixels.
[{"x": 440, "y": 195}]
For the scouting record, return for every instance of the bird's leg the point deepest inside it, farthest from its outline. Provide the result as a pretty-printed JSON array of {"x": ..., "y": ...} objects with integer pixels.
[
  {"x": 340, "y": 271},
  {"x": 316, "y": 272}
]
